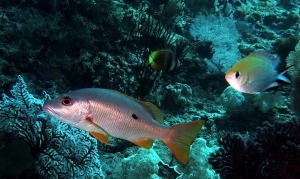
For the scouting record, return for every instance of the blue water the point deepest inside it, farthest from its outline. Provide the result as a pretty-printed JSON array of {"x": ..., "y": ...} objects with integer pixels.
[{"x": 49, "y": 48}]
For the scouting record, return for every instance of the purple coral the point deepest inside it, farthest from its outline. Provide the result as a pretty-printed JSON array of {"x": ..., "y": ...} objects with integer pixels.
[{"x": 273, "y": 153}]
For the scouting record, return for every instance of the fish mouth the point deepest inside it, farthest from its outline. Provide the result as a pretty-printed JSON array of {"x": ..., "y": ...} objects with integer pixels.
[
  {"x": 228, "y": 78},
  {"x": 233, "y": 82},
  {"x": 50, "y": 111}
]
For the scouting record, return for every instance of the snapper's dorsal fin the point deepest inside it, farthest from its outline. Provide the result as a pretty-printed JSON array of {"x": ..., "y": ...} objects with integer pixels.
[
  {"x": 273, "y": 59},
  {"x": 154, "y": 110}
]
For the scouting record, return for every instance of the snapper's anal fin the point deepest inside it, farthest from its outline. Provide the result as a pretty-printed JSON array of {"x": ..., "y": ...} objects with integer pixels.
[
  {"x": 181, "y": 138},
  {"x": 145, "y": 143},
  {"x": 103, "y": 138}
]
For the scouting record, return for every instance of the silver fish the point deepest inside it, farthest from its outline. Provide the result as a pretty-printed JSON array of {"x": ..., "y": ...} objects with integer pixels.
[
  {"x": 105, "y": 113},
  {"x": 257, "y": 73}
]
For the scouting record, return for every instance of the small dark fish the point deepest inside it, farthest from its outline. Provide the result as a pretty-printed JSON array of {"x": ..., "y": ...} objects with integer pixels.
[{"x": 163, "y": 60}]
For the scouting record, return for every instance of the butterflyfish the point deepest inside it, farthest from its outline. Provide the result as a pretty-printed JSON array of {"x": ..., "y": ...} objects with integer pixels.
[
  {"x": 163, "y": 60},
  {"x": 257, "y": 73},
  {"x": 104, "y": 113}
]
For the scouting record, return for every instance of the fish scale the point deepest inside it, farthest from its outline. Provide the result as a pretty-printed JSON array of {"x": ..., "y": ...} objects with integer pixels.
[{"x": 116, "y": 116}]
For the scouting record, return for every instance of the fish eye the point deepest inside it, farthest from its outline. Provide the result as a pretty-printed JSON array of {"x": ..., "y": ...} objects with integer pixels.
[
  {"x": 66, "y": 101},
  {"x": 237, "y": 74}
]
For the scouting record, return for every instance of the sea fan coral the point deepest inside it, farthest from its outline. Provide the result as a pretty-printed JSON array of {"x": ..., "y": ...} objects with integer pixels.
[
  {"x": 58, "y": 150},
  {"x": 221, "y": 31}
]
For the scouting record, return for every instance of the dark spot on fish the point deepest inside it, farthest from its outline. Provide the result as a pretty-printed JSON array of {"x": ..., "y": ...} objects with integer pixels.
[{"x": 134, "y": 116}]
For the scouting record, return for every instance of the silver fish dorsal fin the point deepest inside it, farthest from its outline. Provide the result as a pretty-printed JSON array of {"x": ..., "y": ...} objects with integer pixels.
[
  {"x": 154, "y": 110},
  {"x": 273, "y": 59}
]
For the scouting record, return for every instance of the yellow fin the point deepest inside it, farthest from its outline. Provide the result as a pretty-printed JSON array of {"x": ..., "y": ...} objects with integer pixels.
[
  {"x": 145, "y": 143},
  {"x": 180, "y": 140},
  {"x": 154, "y": 110},
  {"x": 100, "y": 137}
]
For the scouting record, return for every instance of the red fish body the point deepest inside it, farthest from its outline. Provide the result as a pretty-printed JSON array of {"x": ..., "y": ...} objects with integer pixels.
[{"x": 106, "y": 113}]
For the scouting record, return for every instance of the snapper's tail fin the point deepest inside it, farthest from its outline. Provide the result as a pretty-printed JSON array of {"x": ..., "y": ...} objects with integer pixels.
[{"x": 181, "y": 138}]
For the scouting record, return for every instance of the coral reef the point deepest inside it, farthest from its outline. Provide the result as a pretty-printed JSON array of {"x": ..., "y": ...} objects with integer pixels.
[
  {"x": 232, "y": 99},
  {"x": 132, "y": 161},
  {"x": 57, "y": 150},
  {"x": 244, "y": 112},
  {"x": 140, "y": 163},
  {"x": 236, "y": 101},
  {"x": 15, "y": 156},
  {"x": 294, "y": 59},
  {"x": 63, "y": 45},
  {"x": 221, "y": 31},
  {"x": 270, "y": 20},
  {"x": 46, "y": 36},
  {"x": 272, "y": 153},
  {"x": 199, "y": 166},
  {"x": 180, "y": 94}
]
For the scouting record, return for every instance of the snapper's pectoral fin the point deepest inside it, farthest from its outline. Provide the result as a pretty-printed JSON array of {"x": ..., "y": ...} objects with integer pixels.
[
  {"x": 103, "y": 138},
  {"x": 145, "y": 143},
  {"x": 181, "y": 139}
]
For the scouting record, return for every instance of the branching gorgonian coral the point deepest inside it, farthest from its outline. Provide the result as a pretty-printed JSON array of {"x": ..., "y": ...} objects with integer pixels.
[{"x": 59, "y": 150}]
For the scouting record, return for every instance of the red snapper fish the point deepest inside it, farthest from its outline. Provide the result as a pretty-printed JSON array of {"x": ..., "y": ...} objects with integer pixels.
[{"x": 104, "y": 113}]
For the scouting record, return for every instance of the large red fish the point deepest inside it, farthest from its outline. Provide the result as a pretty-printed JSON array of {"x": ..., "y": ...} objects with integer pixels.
[{"x": 105, "y": 113}]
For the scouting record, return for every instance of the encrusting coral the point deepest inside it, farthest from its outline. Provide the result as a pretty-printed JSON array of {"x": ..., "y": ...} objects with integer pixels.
[{"x": 294, "y": 59}]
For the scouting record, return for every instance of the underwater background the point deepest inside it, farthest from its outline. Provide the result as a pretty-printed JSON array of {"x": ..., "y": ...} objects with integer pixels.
[{"x": 51, "y": 47}]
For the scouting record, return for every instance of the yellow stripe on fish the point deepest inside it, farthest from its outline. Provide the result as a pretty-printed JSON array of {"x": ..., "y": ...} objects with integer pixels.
[
  {"x": 106, "y": 113},
  {"x": 256, "y": 73}
]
